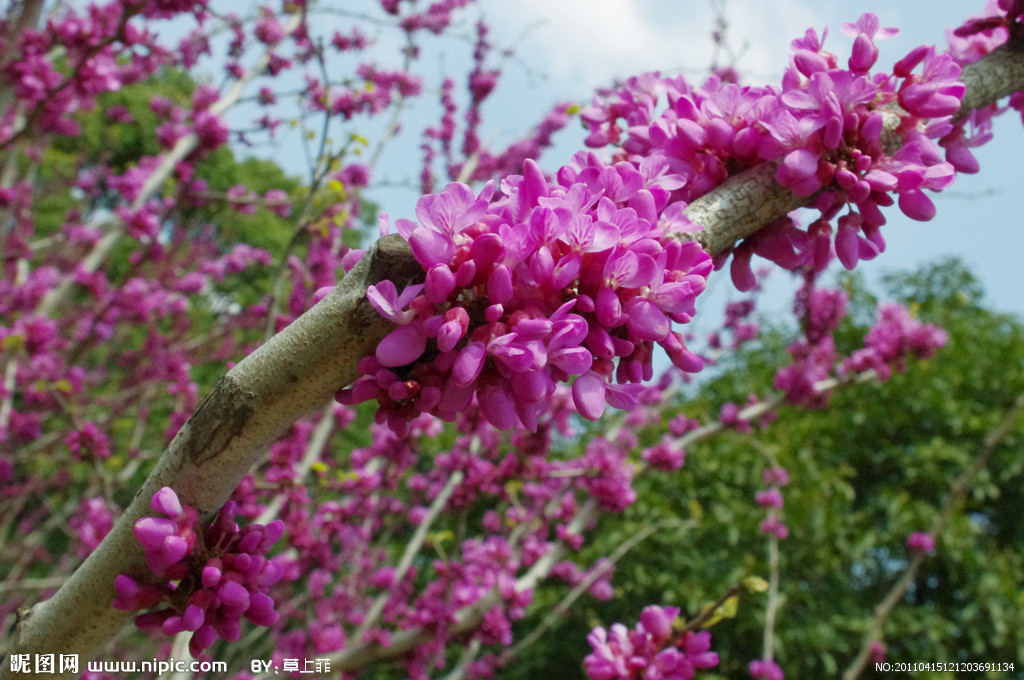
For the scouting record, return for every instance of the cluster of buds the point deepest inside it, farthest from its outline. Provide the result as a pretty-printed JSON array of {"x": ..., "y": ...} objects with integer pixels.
[
  {"x": 577, "y": 277},
  {"x": 771, "y": 498},
  {"x": 921, "y": 541},
  {"x": 208, "y": 580},
  {"x": 650, "y": 651}
]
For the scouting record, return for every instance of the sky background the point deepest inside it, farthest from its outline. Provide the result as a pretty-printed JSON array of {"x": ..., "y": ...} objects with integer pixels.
[{"x": 564, "y": 49}]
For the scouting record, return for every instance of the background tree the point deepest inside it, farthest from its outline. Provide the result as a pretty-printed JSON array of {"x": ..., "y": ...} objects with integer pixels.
[{"x": 867, "y": 471}]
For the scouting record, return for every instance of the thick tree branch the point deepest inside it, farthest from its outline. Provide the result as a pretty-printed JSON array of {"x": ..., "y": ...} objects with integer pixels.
[{"x": 297, "y": 371}]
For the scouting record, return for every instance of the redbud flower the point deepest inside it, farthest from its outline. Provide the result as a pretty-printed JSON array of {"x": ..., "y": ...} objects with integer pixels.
[
  {"x": 773, "y": 525},
  {"x": 920, "y": 541},
  {"x": 551, "y": 283},
  {"x": 777, "y": 476},
  {"x": 766, "y": 669},
  {"x": 648, "y": 651},
  {"x": 770, "y": 498},
  {"x": 231, "y": 582}
]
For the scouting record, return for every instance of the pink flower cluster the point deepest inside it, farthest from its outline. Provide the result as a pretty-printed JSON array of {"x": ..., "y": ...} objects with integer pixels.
[
  {"x": 88, "y": 442},
  {"x": 894, "y": 338},
  {"x": 814, "y": 355},
  {"x": 209, "y": 601},
  {"x": 580, "y": 277},
  {"x": 830, "y": 129},
  {"x": 377, "y": 91},
  {"x": 91, "y": 523},
  {"x": 771, "y": 500},
  {"x": 336, "y": 529},
  {"x": 648, "y": 652}
]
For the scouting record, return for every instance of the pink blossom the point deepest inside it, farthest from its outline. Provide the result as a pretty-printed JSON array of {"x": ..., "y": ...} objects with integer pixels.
[
  {"x": 765, "y": 669},
  {"x": 513, "y": 261},
  {"x": 920, "y": 541},
  {"x": 231, "y": 582},
  {"x": 648, "y": 651}
]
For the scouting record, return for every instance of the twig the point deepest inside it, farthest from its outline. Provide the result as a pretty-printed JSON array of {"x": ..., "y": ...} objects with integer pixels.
[
  {"x": 710, "y": 610},
  {"x": 467, "y": 618},
  {"x": 314, "y": 448},
  {"x": 411, "y": 550},
  {"x": 459, "y": 671},
  {"x": 958, "y": 490},
  {"x": 562, "y": 607}
]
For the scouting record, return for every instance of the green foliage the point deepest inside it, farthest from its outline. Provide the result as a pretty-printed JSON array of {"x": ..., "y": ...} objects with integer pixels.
[{"x": 873, "y": 467}]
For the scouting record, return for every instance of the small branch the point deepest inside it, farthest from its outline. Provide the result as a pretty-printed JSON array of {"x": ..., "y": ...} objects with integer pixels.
[
  {"x": 958, "y": 490},
  {"x": 772, "y": 608},
  {"x": 411, "y": 550},
  {"x": 459, "y": 672},
  {"x": 314, "y": 448},
  {"x": 757, "y": 410},
  {"x": 882, "y": 612},
  {"x": 562, "y": 607},
  {"x": 709, "y": 611},
  {"x": 31, "y": 584}
]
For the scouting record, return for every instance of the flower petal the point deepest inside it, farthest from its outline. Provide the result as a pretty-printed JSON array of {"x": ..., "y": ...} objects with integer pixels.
[
  {"x": 402, "y": 346},
  {"x": 588, "y": 395}
]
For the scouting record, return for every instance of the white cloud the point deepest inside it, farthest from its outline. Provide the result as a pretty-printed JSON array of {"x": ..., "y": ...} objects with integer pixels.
[{"x": 588, "y": 43}]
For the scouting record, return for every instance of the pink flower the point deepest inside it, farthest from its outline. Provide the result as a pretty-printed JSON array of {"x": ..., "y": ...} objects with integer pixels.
[
  {"x": 774, "y": 525},
  {"x": 269, "y": 31},
  {"x": 518, "y": 295},
  {"x": 648, "y": 651},
  {"x": 920, "y": 541},
  {"x": 770, "y": 498},
  {"x": 230, "y": 583},
  {"x": 937, "y": 91},
  {"x": 766, "y": 669},
  {"x": 865, "y": 32}
]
